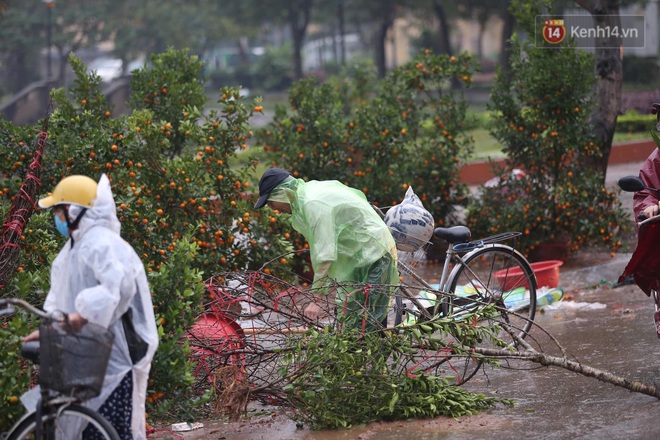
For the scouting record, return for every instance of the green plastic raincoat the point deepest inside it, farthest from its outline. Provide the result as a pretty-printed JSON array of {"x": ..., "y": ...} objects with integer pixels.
[{"x": 349, "y": 244}]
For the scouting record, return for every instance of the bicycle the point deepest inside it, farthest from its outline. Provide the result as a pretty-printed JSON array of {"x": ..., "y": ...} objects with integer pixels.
[
  {"x": 72, "y": 364},
  {"x": 253, "y": 312},
  {"x": 475, "y": 275}
]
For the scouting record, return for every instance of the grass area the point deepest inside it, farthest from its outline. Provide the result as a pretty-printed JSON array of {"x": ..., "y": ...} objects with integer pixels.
[
  {"x": 485, "y": 145},
  {"x": 624, "y": 137}
]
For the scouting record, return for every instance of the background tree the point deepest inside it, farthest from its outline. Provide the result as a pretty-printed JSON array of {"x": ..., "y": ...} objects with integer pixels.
[
  {"x": 609, "y": 75},
  {"x": 292, "y": 14},
  {"x": 541, "y": 118},
  {"x": 125, "y": 20},
  {"x": 155, "y": 26},
  {"x": 505, "y": 43},
  {"x": 443, "y": 27},
  {"x": 298, "y": 14},
  {"x": 481, "y": 12},
  {"x": 380, "y": 16},
  {"x": 442, "y": 12},
  {"x": 77, "y": 24},
  {"x": 329, "y": 18},
  {"x": 236, "y": 21},
  {"x": 138, "y": 29},
  {"x": 22, "y": 32}
]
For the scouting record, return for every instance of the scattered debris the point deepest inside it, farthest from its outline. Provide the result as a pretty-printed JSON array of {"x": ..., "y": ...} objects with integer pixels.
[
  {"x": 185, "y": 426},
  {"x": 572, "y": 305}
]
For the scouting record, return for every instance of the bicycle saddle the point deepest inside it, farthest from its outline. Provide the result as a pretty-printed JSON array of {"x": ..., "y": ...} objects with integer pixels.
[{"x": 453, "y": 235}]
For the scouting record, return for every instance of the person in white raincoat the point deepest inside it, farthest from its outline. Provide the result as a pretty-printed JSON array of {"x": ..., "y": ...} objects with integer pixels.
[
  {"x": 97, "y": 277},
  {"x": 352, "y": 250}
]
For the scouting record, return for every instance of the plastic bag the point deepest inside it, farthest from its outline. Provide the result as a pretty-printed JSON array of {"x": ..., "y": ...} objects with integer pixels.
[{"x": 410, "y": 223}]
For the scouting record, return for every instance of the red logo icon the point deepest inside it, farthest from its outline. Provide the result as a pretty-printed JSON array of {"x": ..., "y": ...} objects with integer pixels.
[{"x": 554, "y": 31}]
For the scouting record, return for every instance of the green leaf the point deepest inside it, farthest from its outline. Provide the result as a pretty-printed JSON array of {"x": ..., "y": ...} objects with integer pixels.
[{"x": 395, "y": 398}]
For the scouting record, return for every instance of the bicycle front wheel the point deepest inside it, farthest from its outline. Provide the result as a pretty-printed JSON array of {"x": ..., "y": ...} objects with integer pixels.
[
  {"x": 65, "y": 424},
  {"x": 499, "y": 275}
]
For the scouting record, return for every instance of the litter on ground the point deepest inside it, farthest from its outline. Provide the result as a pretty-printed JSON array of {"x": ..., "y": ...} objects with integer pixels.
[{"x": 572, "y": 305}]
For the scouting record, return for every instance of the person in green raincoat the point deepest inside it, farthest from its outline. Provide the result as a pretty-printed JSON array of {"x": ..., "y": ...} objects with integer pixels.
[{"x": 352, "y": 251}]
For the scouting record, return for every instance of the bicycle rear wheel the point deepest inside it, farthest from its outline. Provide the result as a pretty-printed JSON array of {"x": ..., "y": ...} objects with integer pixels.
[
  {"x": 499, "y": 275},
  {"x": 496, "y": 274},
  {"x": 59, "y": 423}
]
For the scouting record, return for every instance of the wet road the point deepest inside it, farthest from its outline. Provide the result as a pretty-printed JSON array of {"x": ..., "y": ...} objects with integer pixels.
[{"x": 556, "y": 404}]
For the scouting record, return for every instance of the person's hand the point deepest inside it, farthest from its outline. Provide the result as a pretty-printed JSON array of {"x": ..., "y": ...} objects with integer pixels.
[
  {"x": 34, "y": 336},
  {"x": 313, "y": 311},
  {"x": 76, "y": 321},
  {"x": 651, "y": 211}
]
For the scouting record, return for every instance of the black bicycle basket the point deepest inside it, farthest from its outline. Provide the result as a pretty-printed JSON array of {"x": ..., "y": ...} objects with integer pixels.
[{"x": 74, "y": 362}]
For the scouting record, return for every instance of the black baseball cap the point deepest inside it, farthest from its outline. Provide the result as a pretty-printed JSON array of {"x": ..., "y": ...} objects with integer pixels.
[{"x": 268, "y": 182}]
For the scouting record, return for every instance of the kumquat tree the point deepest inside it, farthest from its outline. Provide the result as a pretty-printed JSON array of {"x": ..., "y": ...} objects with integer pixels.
[
  {"x": 541, "y": 117},
  {"x": 380, "y": 136},
  {"x": 183, "y": 199}
]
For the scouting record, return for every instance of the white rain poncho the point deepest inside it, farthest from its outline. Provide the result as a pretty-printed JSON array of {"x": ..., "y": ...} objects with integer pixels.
[
  {"x": 101, "y": 277},
  {"x": 349, "y": 243}
]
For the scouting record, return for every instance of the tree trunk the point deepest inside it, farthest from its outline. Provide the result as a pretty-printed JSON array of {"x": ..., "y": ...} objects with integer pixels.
[
  {"x": 63, "y": 63},
  {"x": 21, "y": 76},
  {"x": 385, "y": 21},
  {"x": 609, "y": 76},
  {"x": 342, "y": 32},
  {"x": 505, "y": 51},
  {"x": 443, "y": 31},
  {"x": 381, "y": 38},
  {"x": 242, "y": 46},
  {"x": 299, "y": 12},
  {"x": 480, "y": 37}
]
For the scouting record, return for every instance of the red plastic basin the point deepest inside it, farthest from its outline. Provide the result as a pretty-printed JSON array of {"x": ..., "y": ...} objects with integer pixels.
[
  {"x": 214, "y": 341},
  {"x": 547, "y": 275}
]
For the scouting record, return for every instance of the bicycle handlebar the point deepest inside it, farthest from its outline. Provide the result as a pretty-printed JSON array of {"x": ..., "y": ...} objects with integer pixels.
[
  {"x": 8, "y": 304},
  {"x": 643, "y": 220}
]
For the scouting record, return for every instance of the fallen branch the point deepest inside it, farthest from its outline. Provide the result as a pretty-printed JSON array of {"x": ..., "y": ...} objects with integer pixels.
[
  {"x": 262, "y": 330},
  {"x": 532, "y": 355}
]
